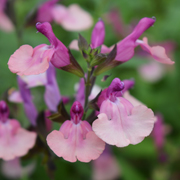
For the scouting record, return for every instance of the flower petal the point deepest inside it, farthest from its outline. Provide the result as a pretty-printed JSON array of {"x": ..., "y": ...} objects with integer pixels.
[
  {"x": 80, "y": 144},
  {"x": 29, "y": 61},
  {"x": 15, "y": 142},
  {"x": 72, "y": 18},
  {"x": 157, "y": 52}
]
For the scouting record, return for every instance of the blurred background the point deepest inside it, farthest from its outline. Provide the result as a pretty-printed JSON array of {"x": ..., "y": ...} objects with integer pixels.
[{"x": 159, "y": 90}]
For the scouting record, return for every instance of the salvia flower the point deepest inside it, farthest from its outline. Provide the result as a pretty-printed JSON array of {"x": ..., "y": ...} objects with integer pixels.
[
  {"x": 119, "y": 122},
  {"x": 75, "y": 139},
  {"x": 14, "y": 170},
  {"x": 125, "y": 48},
  {"x": 14, "y": 140},
  {"x": 30, "y": 61},
  {"x": 72, "y": 18},
  {"x": 106, "y": 166}
]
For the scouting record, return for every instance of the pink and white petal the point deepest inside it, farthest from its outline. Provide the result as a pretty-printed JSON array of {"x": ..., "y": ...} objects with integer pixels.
[
  {"x": 89, "y": 148},
  {"x": 76, "y": 19},
  {"x": 139, "y": 124},
  {"x": 29, "y": 61},
  {"x": 60, "y": 146},
  {"x": 79, "y": 144},
  {"x": 109, "y": 131},
  {"x": 157, "y": 52},
  {"x": 5, "y": 23},
  {"x": 105, "y": 167},
  {"x": 18, "y": 61},
  {"x": 13, "y": 169},
  {"x": 59, "y": 13},
  {"x": 105, "y": 49},
  {"x": 74, "y": 45},
  {"x": 152, "y": 72},
  {"x": 23, "y": 141},
  {"x": 14, "y": 96},
  {"x": 35, "y": 80},
  {"x": 132, "y": 99}
]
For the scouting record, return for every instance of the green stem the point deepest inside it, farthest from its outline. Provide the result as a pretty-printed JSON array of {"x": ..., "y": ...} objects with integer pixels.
[{"x": 87, "y": 89}]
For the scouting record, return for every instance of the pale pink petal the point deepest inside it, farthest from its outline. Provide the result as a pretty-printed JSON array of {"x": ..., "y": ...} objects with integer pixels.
[
  {"x": 80, "y": 144},
  {"x": 14, "y": 96},
  {"x": 35, "y": 80},
  {"x": 14, "y": 140},
  {"x": 5, "y": 23},
  {"x": 157, "y": 52},
  {"x": 14, "y": 170},
  {"x": 29, "y": 61},
  {"x": 59, "y": 13},
  {"x": 140, "y": 124},
  {"x": 73, "y": 18},
  {"x": 122, "y": 124},
  {"x": 132, "y": 99},
  {"x": 105, "y": 49},
  {"x": 94, "y": 92},
  {"x": 105, "y": 168},
  {"x": 152, "y": 72},
  {"x": 74, "y": 45}
]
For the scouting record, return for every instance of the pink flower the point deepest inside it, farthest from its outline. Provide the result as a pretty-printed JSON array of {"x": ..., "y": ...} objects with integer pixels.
[
  {"x": 75, "y": 139},
  {"x": 106, "y": 166},
  {"x": 29, "y": 61},
  {"x": 157, "y": 52},
  {"x": 14, "y": 170},
  {"x": 14, "y": 140},
  {"x": 119, "y": 122},
  {"x": 5, "y": 22},
  {"x": 72, "y": 18}
]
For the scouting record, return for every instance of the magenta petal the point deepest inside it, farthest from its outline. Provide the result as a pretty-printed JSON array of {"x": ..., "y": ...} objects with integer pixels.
[
  {"x": 60, "y": 57},
  {"x": 98, "y": 34},
  {"x": 44, "y": 13},
  {"x": 52, "y": 94},
  {"x": 125, "y": 48},
  {"x": 14, "y": 140},
  {"x": 79, "y": 144},
  {"x": 29, "y": 61}
]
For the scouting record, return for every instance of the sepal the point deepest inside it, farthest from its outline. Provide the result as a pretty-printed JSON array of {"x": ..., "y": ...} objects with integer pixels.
[
  {"x": 82, "y": 43},
  {"x": 98, "y": 59},
  {"x": 73, "y": 67},
  {"x": 108, "y": 64},
  {"x": 61, "y": 115}
]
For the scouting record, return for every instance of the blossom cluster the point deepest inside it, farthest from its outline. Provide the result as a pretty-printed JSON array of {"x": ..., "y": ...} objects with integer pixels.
[{"x": 118, "y": 118}]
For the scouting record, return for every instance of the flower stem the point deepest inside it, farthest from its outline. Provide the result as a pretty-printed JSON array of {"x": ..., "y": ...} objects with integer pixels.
[{"x": 87, "y": 89}]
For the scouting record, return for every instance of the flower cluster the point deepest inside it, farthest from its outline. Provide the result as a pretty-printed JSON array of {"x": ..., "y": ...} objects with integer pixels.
[{"x": 117, "y": 118}]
